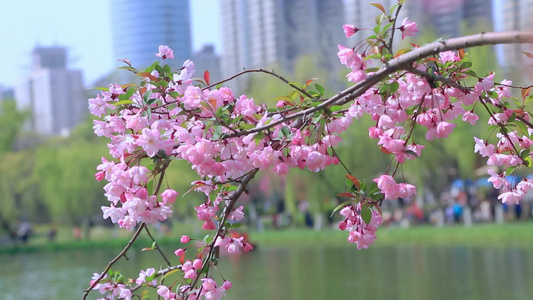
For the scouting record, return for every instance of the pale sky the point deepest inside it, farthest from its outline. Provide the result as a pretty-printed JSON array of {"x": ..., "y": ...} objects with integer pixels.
[{"x": 84, "y": 27}]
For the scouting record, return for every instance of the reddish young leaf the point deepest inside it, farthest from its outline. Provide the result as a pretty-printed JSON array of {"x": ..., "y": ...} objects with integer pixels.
[
  {"x": 379, "y": 6},
  {"x": 519, "y": 112},
  {"x": 525, "y": 92},
  {"x": 354, "y": 180},
  {"x": 378, "y": 208},
  {"x": 528, "y": 54},
  {"x": 346, "y": 195},
  {"x": 461, "y": 53},
  {"x": 206, "y": 77},
  {"x": 308, "y": 82},
  {"x": 213, "y": 102},
  {"x": 146, "y": 74},
  {"x": 384, "y": 150}
]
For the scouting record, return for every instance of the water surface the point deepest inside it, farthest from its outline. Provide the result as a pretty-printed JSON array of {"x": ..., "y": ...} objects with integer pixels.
[{"x": 406, "y": 272}]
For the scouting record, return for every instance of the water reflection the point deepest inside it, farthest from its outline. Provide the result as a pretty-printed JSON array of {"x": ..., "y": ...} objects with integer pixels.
[{"x": 407, "y": 272}]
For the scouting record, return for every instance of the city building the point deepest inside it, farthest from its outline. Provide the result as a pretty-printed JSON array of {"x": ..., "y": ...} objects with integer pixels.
[
  {"x": 447, "y": 18},
  {"x": 54, "y": 94},
  {"x": 139, "y": 27},
  {"x": 512, "y": 15},
  {"x": 274, "y": 33},
  {"x": 207, "y": 59}
]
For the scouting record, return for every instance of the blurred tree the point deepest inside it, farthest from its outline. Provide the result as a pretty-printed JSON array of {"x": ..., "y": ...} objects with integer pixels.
[
  {"x": 65, "y": 169},
  {"x": 19, "y": 189},
  {"x": 11, "y": 121}
]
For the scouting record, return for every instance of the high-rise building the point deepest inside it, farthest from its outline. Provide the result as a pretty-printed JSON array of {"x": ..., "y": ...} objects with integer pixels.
[
  {"x": 512, "y": 15},
  {"x": 447, "y": 18},
  {"x": 140, "y": 26},
  {"x": 268, "y": 33},
  {"x": 54, "y": 94},
  {"x": 207, "y": 59}
]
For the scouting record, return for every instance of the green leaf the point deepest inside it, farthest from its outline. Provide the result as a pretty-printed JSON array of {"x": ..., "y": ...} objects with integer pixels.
[
  {"x": 100, "y": 88},
  {"x": 166, "y": 69},
  {"x": 366, "y": 213},
  {"x": 510, "y": 170},
  {"x": 320, "y": 89},
  {"x": 123, "y": 102},
  {"x": 147, "y": 95},
  {"x": 394, "y": 86},
  {"x": 410, "y": 152},
  {"x": 470, "y": 73},
  {"x": 132, "y": 69},
  {"x": 285, "y": 131},
  {"x": 343, "y": 204},
  {"x": 152, "y": 67}
]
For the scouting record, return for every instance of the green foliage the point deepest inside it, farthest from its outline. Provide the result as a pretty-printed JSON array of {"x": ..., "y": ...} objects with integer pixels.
[
  {"x": 66, "y": 173},
  {"x": 19, "y": 188},
  {"x": 11, "y": 121}
]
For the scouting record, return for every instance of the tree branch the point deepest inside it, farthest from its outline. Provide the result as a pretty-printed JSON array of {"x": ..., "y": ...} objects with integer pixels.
[
  {"x": 260, "y": 71},
  {"x": 225, "y": 214},
  {"x": 111, "y": 263},
  {"x": 403, "y": 62}
]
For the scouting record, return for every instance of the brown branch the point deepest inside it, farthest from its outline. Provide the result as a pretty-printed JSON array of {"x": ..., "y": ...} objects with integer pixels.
[
  {"x": 227, "y": 210},
  {"x": 157, "y": 246},
  {"x": 111, "y": 263},
  {"x": 393, "y": 27},
  {"x": 403, "y": 62},
  {"x": 260, "y": 71}
]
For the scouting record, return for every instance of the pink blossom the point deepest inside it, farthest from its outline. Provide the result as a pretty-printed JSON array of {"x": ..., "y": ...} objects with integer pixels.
[
  {"x": 247, "y": 247},
  {"x": 408, "y": 28},
  {"x": 185, "y": 239},
  {"x": 169, "y": 196},
  {"x": 179, "y": 252},
  {"x": 193, "y": 97},
  {"x": 447, "y": 56},
  {"x": 226, "y": 285},
  {"x": 349, "y": 30},
  {"x": 197, "y": 263},
  {"x": 209, "y": 225},
  {"x": 237, "y": 214},
  {"x": 143, "y": 275},
  {"x": 150, "y": 140},
  {"x": 512, "y": 197},
  {"x": 165, "y": 52},
  {"x": 485, "y": 84},
  {"x": 444, "y": 129},
  {"x": 349, "y": 57},
  {"x": 484, "y": 149},
  {"x": 470, "y": 117}
]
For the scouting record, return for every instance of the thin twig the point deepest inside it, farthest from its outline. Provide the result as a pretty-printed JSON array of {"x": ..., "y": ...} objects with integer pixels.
[
  {"x": 111, "y": 263},
  {"x": 157, "y": 246},
  {"x": 227, "y": 210},
  {"x": 393, "y": 27},
  {"x": 403, "y": 62},
  {"x": 260, "y": 71}
]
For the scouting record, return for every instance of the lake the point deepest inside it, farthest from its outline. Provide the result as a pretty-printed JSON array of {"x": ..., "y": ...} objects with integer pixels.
[{"x": 403, "y": 272}]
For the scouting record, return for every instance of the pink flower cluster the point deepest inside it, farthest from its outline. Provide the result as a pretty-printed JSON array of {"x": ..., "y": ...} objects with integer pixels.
[
  {"x": 361, "y": 233},
  {"x": 183, "y": 121}
]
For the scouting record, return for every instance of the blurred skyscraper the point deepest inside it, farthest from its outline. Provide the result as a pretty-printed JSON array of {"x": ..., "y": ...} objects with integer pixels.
[
  {"x": 274, "y": 33},
  {"x": 54, "y": 94},
  {"x": 447, "y": 18},
  {"x": 452, "y": 18},
  {"x": 514, "y": 15},
  {"x": 140, "y": 26},
  {"x": 207, "y": 59}
]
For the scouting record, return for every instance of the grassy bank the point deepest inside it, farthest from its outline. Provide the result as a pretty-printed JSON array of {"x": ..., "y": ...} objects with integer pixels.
[{"x": 518, "y": 234}]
